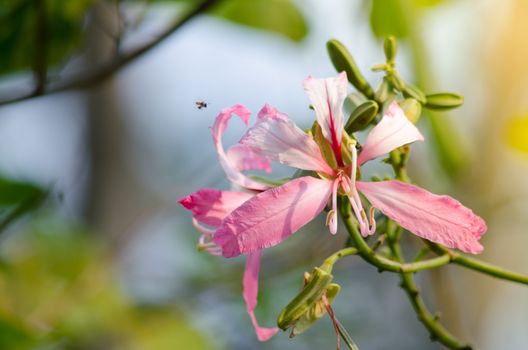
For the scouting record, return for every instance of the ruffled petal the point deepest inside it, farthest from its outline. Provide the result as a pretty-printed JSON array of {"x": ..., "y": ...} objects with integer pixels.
[
  {"x": 210, "y": 206},
  {"x": 277, "y": 137},
  {"x": 394, "y": 130},
  {"x": 271, "y": 216},
  {"x": 231, "y": 169},
  {"x": 250, "y": 293},
  {"x": 440, "y": 219},
  {"x": 327, "y": 97}
]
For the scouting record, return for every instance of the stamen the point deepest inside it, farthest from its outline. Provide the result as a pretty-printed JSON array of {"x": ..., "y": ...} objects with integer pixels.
[
  {"x": 372, "y": 220},
  {"x": 363, "y": 226},
  {"x": 333, "y": 219},
  {"x": 205, "y": 241}
]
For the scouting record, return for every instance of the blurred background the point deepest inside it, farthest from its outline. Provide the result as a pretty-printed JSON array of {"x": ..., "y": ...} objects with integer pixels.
[{"x": 100, "y": 135}]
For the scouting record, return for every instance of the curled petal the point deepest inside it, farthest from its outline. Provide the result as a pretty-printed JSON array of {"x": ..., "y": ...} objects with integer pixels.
[
  {"x": 440, "y": 219},
  {"x": 327, "y": 97},
  {"x": 394, "y": 130},
  {"x": 271, "y": 216},
  {"x": 244, "y": 158},
  {"x": 277, "y": 137},
  {"x": 250, "y": 293},
  {"x": 210, "y": 206},
  {"x": 231, "y": 169}
]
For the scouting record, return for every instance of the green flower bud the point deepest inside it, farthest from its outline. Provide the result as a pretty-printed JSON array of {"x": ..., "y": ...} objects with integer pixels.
[
  {"x": 362, "y": 116},
  {"x": 343, "y": 61},
  {"x": 352, "y": 101},
  {"x": 413, "y": 92},
  {"x": 443, "y": 101},
  {"x": 412, "y": 109},
  {"x": 390, "y": 47},
  {"x": 316, "y": 285},
  {"x": 315, "y": 312}
]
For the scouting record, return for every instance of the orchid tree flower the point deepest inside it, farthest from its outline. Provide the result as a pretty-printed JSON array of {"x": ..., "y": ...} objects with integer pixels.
[
  {"x": 210, "y": 206},
  {"x": 272, "y": 215}
]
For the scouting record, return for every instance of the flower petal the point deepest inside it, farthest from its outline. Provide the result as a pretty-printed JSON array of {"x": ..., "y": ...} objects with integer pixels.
[
  {"x": 394, "y": 130},
  {"x": 327, "y": 97},
  {"x": 244, "y": 158},
  {"x": 231, "y": 169},
  {"x": 271, "y": 216},
  {"x": 210, "y": 206},
  {"x": 278, "y": 138},
  {"x": 440, "y": 219},
  {"x": 250, "y": 293}
]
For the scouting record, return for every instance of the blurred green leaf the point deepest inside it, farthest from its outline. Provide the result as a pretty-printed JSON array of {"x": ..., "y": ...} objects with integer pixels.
[
  {"x": 14, "y": 336},
  {"x": 516, "y": 133},
  {"x": 16, "y": 199},
  {"x": 279, "y": 16},
  {"x": 18, "y": 31},
  {"x": 388, "y": 17}
]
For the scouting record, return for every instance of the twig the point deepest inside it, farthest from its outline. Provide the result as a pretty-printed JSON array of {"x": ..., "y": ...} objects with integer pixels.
[
  {"x": 96, "y": 76},
  {"x": 436, "y": 330},
  {"x": 479, "y": 265},
  {"x": 40, "y": 65}
]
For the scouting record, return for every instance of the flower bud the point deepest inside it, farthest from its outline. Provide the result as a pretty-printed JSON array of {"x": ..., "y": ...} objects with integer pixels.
[
  {"x": 315, "y": 312},
  {"x": 390, "y": 48},
  {"x": 443, "y": 101},
  {"x": 412, "y": 109},
  {"x": 315, "y": 286},
  {"x": 343, "y": 61},
  {"x": 361, "y": 117},
  {"x": 413, "y": 92}
]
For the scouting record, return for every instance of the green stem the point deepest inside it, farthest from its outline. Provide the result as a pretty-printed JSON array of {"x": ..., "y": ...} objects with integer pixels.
[
  {"x": 332, "y": 259},
  {"x": 436, "y": 330},
  {"x": 480, "y": 266}
]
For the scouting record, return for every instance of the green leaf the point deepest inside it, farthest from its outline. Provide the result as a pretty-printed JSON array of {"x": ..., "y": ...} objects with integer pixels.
[
  {"x": 16, "y": 199},
  {"x": 388, "y": 17},
  {"x": 19, "y": 32},
  {"x": 278, "y": 16},
  {"x": 14, "y": 335}
]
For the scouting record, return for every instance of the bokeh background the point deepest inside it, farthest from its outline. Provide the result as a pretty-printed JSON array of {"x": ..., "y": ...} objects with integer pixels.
[{"x": 100, "y": 136}]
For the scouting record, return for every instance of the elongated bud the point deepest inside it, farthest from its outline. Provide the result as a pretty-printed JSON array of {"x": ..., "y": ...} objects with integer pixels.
[
  {"x": 309, "y": 295},
  {"x": 390, "y": 47},
  {"x": 412, "y": 109},
  {"x": 443, "y": 101},
  {"x": 413, "y": 92},
  {"x": 343, "y": 61},
  {"x": 352, "y": 101},
  {"x": 362, "y": 116}
]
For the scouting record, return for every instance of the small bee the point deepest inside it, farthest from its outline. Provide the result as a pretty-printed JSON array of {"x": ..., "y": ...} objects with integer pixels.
[{"x": 201, "y": 104}]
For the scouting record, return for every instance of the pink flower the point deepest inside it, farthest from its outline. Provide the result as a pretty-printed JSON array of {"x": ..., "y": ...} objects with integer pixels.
[
  {"x": 264, "y": 216},
  {"x": 211, "y": 206},
  {"x": 273, "y": 215}
]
